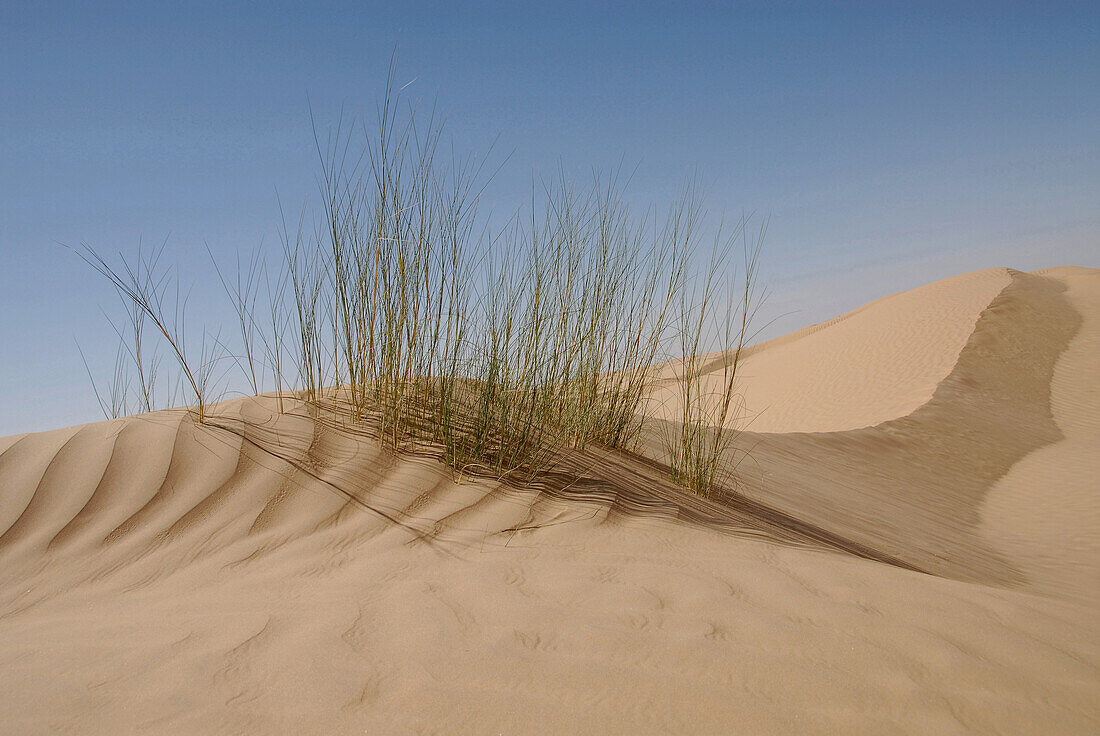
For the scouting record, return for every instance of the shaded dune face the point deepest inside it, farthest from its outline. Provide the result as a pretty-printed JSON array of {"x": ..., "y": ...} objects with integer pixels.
[
  {"x": 914, "y": 486},
  {"x": 283, "y": 573}
]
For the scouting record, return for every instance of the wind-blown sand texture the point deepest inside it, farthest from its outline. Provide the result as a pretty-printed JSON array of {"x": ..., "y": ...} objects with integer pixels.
[{"x": 915, "y": 549}]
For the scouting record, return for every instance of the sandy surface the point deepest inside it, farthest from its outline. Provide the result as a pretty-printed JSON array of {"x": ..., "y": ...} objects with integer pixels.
[
  {"x": 876, "y": 363},
  {"x": 915, "y": 550},
  {"x": 1045, "y": 511}
]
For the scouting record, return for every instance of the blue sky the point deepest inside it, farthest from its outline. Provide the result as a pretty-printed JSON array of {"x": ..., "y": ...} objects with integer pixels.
[{"x": 891, "y": 144}]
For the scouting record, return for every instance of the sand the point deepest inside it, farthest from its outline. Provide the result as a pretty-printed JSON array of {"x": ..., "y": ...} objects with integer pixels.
[
  {"x": 916, "y": 550},
  {"x": 878, "y": 362}
]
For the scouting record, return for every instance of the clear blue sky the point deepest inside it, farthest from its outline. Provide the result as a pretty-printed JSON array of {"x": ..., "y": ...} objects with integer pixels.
[{"x": 891, "y": 143}]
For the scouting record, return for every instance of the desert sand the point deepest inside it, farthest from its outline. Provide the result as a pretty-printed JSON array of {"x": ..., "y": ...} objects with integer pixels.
[{"x": 914, "y": 547}]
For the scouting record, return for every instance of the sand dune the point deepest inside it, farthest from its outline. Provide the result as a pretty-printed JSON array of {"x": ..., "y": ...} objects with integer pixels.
[
  {"x": 914, "y": 549},
  {"x": 876, "y": 363}
]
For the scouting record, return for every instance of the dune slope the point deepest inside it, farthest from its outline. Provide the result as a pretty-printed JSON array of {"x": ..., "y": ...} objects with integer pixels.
[{"x": 923, "y": 561}]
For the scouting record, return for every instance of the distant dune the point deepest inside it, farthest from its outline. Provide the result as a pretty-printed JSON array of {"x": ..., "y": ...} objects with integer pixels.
[{"x": 914, "y": 547}]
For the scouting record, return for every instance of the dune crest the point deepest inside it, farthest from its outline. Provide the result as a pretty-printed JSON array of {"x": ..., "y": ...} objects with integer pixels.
[
  {"x": 873, "y": 364},
  {"x": 924, "y": 560}
]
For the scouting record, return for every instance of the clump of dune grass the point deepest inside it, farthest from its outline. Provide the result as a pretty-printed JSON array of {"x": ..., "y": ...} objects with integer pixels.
[
  {"x": 400, "y": 308},
  {"x": 710, "y": 410}
]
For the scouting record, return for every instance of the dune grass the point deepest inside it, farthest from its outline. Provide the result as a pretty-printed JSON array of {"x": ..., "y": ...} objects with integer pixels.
[
  {"x": 403, "y": 311},
  {"x": 699, "y": 446}
]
